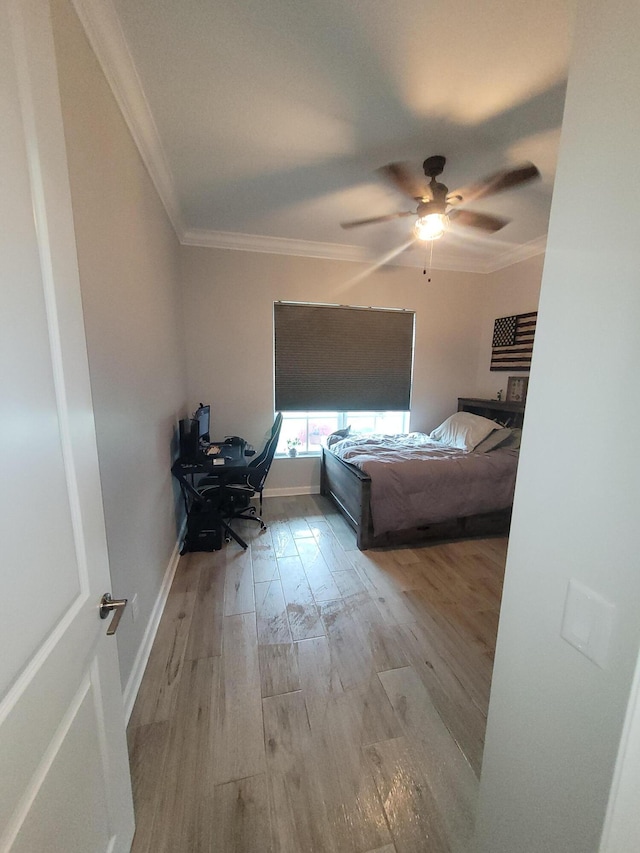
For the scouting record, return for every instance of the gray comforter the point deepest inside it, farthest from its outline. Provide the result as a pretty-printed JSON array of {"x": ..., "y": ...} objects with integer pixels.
[{"x": 417, "y": 481}]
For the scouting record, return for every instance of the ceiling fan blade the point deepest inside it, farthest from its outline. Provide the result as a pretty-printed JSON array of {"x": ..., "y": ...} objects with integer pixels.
[
  {"x": 506, "y": 179},
  {"x": 478, "y": 220},
  {"x": 386, "y": 218},
  {"x": 403, "y": 178}
]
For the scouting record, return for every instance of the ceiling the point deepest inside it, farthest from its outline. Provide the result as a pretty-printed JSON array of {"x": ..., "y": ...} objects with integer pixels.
[{"x": 262, "y": 122}]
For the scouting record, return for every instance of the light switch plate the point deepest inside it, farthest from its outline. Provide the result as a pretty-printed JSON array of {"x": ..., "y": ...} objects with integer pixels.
[{"x": 587, "y": 623}]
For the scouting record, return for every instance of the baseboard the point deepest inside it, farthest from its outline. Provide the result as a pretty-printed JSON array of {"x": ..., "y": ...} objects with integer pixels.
[
  {"x": 290, "y": 491},
  {"x": 140, "y": 663}
]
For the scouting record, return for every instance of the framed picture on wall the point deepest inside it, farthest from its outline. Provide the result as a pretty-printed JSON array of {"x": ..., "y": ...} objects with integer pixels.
[{"x": 517, "y": 389}]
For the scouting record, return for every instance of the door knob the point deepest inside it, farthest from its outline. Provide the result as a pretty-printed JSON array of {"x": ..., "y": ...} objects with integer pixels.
[{"x": 107, "y": 605}]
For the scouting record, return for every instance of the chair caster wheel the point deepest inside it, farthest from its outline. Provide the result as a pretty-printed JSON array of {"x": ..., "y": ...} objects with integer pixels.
[
  {"x": 227, "y": 539},
  {"x": 252, "y": 510},
  {"x": 263, "y": 527}
]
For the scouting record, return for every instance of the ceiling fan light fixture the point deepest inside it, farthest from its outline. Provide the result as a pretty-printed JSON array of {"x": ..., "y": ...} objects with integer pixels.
[{"x": 431, "y": 227}]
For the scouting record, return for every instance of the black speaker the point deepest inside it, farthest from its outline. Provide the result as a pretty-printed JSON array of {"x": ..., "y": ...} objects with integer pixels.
[{"x": 188, "y": 431}]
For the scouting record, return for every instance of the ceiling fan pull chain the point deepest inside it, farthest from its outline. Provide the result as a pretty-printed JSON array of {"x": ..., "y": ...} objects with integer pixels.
[{"x": 424, "y": 271}]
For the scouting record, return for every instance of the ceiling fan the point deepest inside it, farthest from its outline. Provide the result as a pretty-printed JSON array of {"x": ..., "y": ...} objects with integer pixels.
[{"x": 437, "y": 206}]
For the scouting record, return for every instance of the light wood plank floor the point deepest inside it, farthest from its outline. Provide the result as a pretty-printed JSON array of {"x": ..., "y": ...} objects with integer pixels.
[{"x": 305, "y": 696}]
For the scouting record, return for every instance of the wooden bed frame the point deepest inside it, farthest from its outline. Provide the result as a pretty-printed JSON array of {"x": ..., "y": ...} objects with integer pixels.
[{"x": 350, "y": 490}]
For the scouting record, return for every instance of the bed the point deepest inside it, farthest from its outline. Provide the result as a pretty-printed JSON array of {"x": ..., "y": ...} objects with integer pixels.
[{"x": 409, "y": 489}]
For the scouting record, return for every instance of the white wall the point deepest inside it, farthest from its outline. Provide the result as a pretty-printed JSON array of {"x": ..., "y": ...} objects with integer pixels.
[
  {"x": 128, "y": 260},
  {"x": 229, "y": 300},
  {"x": 555, "y": 718}
]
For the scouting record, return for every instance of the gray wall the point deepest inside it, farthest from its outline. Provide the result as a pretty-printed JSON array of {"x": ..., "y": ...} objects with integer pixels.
[
  {"x": 555, "y": 717},
  {"x": 128, "y": 260}
]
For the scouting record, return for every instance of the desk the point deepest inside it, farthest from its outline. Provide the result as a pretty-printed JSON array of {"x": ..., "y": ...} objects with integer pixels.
[{"x": 204, "y": 519}]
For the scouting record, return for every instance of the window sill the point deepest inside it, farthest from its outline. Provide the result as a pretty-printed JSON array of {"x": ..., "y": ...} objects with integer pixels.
[{"x": 311, "y": 454}]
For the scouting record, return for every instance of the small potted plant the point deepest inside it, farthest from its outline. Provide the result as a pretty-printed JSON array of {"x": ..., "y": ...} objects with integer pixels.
[{"x": 292, "y": 446}]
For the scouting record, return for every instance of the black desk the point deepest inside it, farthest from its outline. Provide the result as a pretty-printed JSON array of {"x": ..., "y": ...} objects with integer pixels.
[{"x": 204, "y": 518}]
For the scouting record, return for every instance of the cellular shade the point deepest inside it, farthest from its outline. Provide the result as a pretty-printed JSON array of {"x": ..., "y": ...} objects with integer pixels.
[{"x": 342, "y": 359}]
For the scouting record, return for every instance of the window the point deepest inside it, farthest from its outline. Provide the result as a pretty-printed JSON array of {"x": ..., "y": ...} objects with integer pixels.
[
  {"x": 335, "y": 358},
  {"x": 337, "y": 366},
  {"x": 312, "y": 428}
]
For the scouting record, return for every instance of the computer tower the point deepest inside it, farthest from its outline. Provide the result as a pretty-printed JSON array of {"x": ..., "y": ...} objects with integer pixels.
[
  {"x": 204, "y": 528},
  {"x": 188, "y": 434}
]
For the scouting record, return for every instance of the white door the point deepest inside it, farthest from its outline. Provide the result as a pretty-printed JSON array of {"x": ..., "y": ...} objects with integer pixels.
[{"x": 64, "y": 776}]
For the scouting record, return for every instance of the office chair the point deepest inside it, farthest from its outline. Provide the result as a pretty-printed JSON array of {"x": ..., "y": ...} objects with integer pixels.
[{"x": 236, "y": 495}]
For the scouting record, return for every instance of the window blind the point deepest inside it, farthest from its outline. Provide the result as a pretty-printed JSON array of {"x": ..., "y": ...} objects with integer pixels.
[{"x": 336, "y": 358}]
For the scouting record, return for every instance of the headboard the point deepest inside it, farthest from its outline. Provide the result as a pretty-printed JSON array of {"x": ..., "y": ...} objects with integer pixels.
[{"x": 508, "y": 414}]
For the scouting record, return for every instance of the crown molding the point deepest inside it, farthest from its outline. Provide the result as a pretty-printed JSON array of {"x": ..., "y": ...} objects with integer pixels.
[
  {"x": 519, "y": 253},
  {"x": 208, "y": 239},
  {"x": 103, "y": 29},
  {"x": 303, "y": 249},
  {"x": 273, "y": 245}
]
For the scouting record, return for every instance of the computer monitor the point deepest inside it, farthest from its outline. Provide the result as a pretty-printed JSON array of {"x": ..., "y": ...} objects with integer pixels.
[{"x": 203, "y": 416}]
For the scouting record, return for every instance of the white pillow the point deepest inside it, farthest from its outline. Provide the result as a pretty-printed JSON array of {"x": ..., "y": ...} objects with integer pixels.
[
  {"x": 463, "y": 430},
  {"x": 507, "y": 437}
]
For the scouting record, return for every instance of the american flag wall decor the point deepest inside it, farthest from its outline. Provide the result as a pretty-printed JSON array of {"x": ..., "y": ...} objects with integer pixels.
[{"x": 512, "y": 344}]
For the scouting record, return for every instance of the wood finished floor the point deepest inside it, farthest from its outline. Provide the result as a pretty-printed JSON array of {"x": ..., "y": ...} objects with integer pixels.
[{"x": 304, "y": 696}]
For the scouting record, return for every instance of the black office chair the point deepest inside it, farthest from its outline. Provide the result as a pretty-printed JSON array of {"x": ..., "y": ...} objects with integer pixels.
[{"x": 236, "y": 495}]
